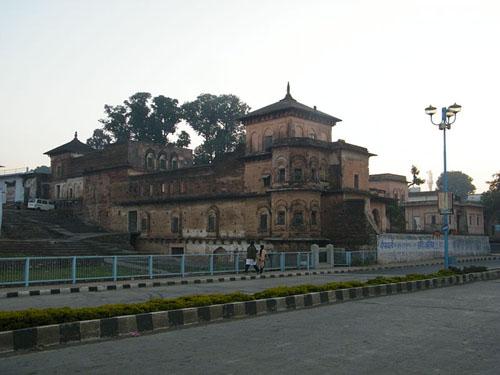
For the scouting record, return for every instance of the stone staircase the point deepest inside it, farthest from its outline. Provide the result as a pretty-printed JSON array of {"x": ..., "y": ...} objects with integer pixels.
[{"x": 55, "y": 233}]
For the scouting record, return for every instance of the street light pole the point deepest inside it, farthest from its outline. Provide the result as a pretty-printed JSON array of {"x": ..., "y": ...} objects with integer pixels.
[{"x": 448, "y": 117}]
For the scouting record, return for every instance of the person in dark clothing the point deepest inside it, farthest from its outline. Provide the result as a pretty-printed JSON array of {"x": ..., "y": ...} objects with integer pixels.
[{"x": 251, "y": 259}]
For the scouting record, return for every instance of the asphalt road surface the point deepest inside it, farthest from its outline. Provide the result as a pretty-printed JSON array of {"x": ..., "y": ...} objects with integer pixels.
[
  {"x": 452, "y": 330},
  {"x": 247, "y": 286}
]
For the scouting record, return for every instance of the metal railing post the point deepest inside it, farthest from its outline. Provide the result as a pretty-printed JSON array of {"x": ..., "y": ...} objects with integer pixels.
[
  {"x": 73, "y": 270},
  {"x": 237, "y": 263},
  {"x": 282, "y": 262},
  {"x": 298, "y": 261},
  {"x": 150, "y": 266},
  {"x": 211, "y": 259},
  {"x": 183, "y": 265},
  {"x": 115, "y": 268},
  {"x": 332, "y": 258},
  {"x": 27, "y": 272},
  {"x": 309, "y": 260}
]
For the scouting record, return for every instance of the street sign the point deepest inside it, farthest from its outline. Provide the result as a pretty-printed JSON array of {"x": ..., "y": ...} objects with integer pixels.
[{"x": 445, "y": 227}]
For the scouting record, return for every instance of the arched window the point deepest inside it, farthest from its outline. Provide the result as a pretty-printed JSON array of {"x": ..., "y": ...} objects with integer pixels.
[
  {"x": 298, "y": 166},
  {"x": 281, "y": 175},
  {"x": 174, "y": 164},
  {"x": 162, "y": 161},
  {"x": 220, "y": 251},
  {"x": 314, "y": 213},
  {"x": 267, "y": 140},
  {"x": 280, "y": 213},
  {"x": 298, "y": 218},
  {"x": 263, "y": 215},
  {"x": 145, "y": 222},
  {"x": 175, "y": 224},
  {"x": 298, "y": 209},
  {"x": 254, "y": 142},
  {"x": 150, "y": 160},
  {"x": 213, "y": 220}
]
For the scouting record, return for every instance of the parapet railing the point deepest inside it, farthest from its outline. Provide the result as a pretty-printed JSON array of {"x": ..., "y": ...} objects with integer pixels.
[{"x": 74, "y": 269}]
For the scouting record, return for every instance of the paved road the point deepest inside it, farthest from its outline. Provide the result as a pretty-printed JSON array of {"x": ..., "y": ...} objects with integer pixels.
[
  {"x": 452, "y": 330},
  {"x": 247, "y": 286}
]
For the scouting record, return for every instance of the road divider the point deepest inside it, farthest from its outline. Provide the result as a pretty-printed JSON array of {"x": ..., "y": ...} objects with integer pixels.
[{"x": 284, "y": 299}]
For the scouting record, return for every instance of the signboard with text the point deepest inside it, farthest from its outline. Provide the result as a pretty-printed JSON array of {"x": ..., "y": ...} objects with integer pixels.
[{"x": 445, "y": 203}]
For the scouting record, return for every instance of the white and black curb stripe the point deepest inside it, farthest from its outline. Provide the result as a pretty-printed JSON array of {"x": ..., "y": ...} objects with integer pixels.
[
  {"x": 135, "y": 325},
  {"x": 158, "y": 283}
]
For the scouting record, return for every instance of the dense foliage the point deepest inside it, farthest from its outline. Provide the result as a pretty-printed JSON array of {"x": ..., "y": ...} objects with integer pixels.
[
  {"x": 491, "y": 202},
  {"x": 416, "y": 181},
  {"x": 154, "y": 119},
  {"x": 459, "y": 184},
  {"x": 216, "y": 119}
]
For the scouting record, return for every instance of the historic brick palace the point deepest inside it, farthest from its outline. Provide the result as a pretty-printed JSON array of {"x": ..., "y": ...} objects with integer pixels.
[{"x": 289, "y": 187}]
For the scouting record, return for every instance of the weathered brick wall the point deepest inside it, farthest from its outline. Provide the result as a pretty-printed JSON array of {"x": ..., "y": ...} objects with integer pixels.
[
  {"x": 345, "y": 223},
  {"x": 291, "y": 202},
  {"x": 284, "y": 127},
  {"x": 393, "y": 189},
  {"x": 354, "y": 164}
]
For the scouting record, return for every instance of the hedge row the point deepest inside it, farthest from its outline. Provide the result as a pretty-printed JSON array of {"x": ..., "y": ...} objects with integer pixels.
[{"x": 11, "y": 320}]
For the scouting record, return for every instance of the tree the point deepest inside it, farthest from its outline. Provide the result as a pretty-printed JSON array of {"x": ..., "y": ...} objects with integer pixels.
[
  {"x": 459, "y": 184},
  {"x": 416, "y": 181},
  {"x": 99, "y": 139},
  {"x": 41, "y": 169},
  {"x": 491, "y": 202},
  {"x": 216, "y": 119},
  {"x": 396, "y": 214},
  {"x": 142, "y": 118},
  {"x": 183, "y": 140}
]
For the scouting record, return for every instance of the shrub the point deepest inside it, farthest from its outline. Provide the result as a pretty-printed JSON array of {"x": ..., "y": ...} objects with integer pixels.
[{"x": 10, "y": 320}]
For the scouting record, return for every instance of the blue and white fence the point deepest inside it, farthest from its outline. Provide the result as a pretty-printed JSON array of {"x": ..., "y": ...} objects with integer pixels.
[
  {"x": 46, "y": 270},
  {"x": 39, "y": 270}
]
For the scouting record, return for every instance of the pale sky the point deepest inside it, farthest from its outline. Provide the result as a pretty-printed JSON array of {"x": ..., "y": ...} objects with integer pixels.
[{"x": 374, "y": 64}]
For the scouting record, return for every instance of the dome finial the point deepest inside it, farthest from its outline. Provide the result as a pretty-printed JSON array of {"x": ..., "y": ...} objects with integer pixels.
[
  {"x": 76, "y": 135},
  {"x": 288, "y": 96}
]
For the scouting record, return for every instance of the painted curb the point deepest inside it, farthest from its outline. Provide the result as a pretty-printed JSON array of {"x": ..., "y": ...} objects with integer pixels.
[
  {"x": 37, "y": 338},
  {"x": 158, "y": 282}
]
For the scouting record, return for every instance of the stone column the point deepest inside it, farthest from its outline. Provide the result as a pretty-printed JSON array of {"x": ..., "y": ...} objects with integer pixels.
[{"x": 315, "y": 255}]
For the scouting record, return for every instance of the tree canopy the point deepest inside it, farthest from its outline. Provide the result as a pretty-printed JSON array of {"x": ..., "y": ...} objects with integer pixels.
[
  {"x": 491, "y": 201},
  {"x": 216, "y": 119},
  {"x": 99, "y": 139},
  {"x": 416, "y": 181},
  {"x": 459, "y": 184},
  {"x": 142, "y": 118},
  {"x": 153, "y": 119},
  {"x": 41, "y": 169}
]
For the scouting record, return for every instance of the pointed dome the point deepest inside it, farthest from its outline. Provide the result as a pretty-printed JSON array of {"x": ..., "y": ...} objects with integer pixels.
[
  {"x": 74, "y": 147},
  {"x": 289, "y": 106}
]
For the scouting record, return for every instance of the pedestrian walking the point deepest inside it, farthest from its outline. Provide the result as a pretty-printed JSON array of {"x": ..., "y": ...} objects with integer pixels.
[
  {"x": 251, "y": 259},
  {"x": 261, "y": 258}
]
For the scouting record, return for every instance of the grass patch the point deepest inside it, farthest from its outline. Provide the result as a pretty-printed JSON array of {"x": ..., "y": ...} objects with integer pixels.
[{"x": 11, "y": 320}]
